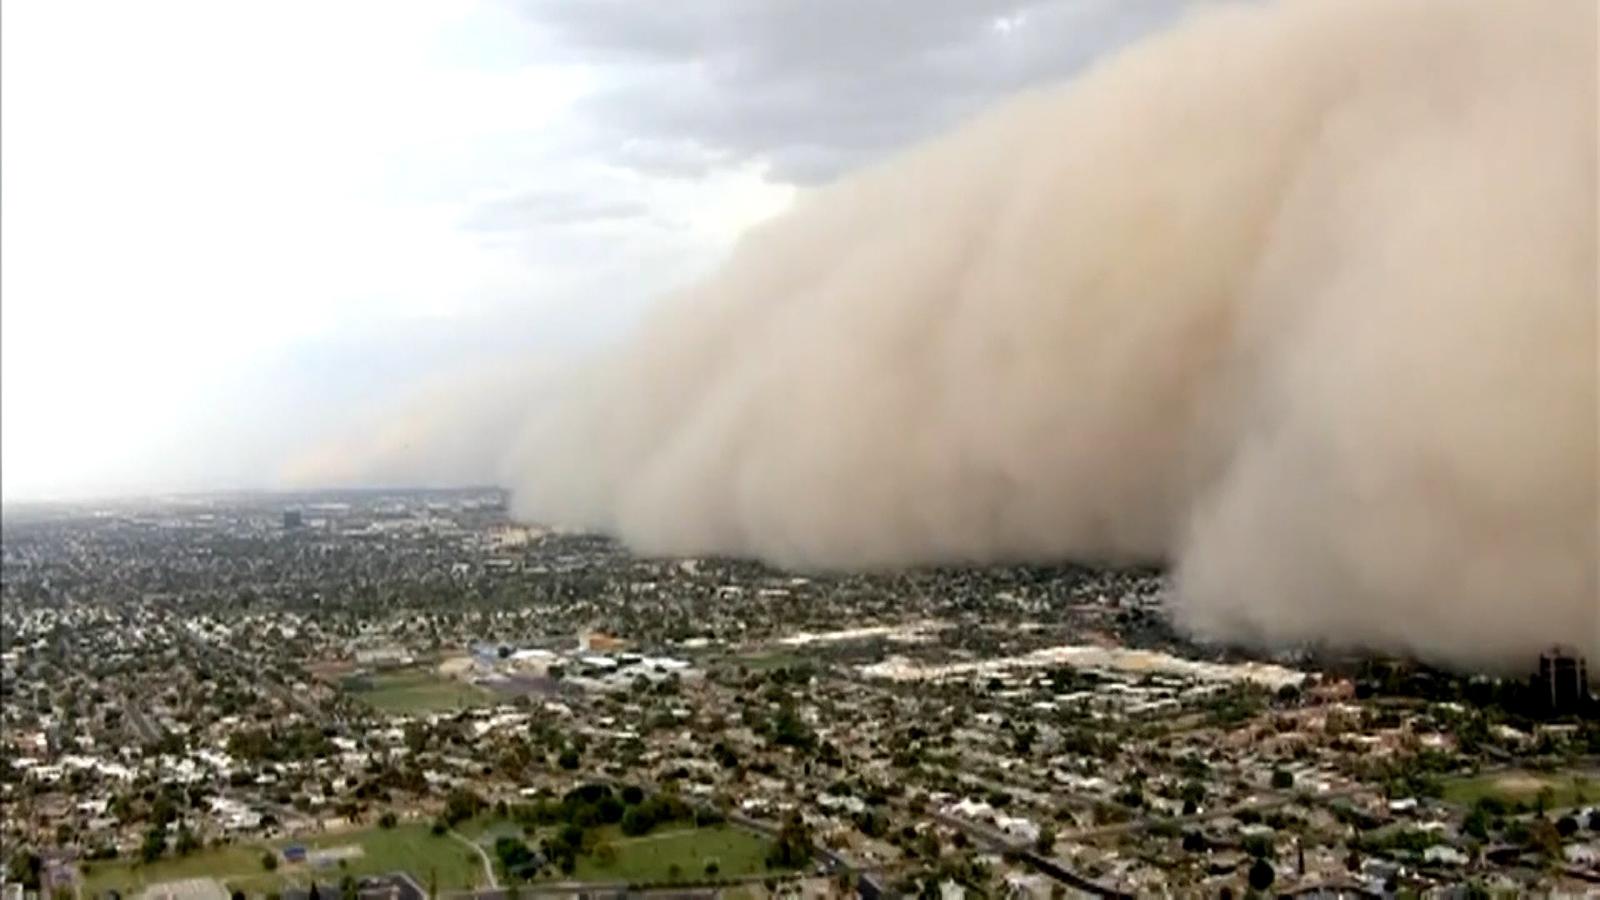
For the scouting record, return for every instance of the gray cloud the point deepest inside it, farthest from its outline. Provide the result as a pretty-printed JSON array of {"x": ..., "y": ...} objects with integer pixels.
[{"x": 815, "y": 88}]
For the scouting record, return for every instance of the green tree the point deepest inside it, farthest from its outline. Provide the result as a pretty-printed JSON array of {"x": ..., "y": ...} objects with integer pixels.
[
  {"x": 1261, "y": 875},
  {"x": 792, "y": 849},
  {"x": 269, "y": 861},
  {"x": 155, "y": 844},
  {"x": 24, "y": 869}
]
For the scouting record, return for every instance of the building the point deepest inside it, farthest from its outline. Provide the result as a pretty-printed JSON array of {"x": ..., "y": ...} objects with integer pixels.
[
  {"x": 293, "y": 518},
  {"x": 1562, "y": 685}
]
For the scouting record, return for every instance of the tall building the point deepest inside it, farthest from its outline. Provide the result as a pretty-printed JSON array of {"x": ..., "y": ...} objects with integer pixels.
[
  {"x": 1562, "y": 685},
  {"x": 292, "y": 518}
]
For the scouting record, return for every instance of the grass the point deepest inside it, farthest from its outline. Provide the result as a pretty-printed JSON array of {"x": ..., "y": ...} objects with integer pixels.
[
  {"x": 486, "y": 829},
  {"x": 409, "y": 848},
  {"x": 414, "y": 690},
  {"x": 1566, "y": 788},
  {"x": 128, "y": 877},
  {"x": 652, "y": 857}
]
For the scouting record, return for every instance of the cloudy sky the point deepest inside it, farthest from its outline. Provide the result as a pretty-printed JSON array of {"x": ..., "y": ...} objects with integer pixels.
[{"x": 229, "y": 227}]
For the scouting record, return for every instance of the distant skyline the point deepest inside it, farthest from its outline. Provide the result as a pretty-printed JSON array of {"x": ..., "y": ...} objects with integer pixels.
[{"x": 228, "y": 228}]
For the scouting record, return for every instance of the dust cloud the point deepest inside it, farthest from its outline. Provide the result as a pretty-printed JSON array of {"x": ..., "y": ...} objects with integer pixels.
[{"x": 1298, "y": 299}]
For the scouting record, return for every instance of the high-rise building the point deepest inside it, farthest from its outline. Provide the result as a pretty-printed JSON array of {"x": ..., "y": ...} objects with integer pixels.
[
  {"x": 292, "y": 518},
  {"x": 1562, "y": 685}
]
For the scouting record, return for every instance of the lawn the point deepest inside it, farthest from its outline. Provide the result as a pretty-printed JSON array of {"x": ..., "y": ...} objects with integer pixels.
[
  {"x": 486, "y": 829},
  {"x": 1566, "y": 788},
  {"x": 128, "y": 877},
  {"x": 410, "y": 848},
  {"x": 414, "y": 690},
  {"x": 652, "y": 857}
]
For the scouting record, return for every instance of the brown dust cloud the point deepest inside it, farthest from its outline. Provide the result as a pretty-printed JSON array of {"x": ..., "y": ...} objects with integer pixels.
[{"x": 1296, "y": 299}]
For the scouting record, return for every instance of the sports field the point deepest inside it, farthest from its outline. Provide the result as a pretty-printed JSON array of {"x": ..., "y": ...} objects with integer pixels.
[
  {"x": 128, "y": 877},
  {"x": 414, "y": 691},
  {"x": 681, "y": 854},
  {"x": 373, "y": 851}
]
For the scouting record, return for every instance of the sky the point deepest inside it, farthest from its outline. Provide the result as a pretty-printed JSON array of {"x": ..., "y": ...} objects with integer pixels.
[{"x": 228, "y": 229}]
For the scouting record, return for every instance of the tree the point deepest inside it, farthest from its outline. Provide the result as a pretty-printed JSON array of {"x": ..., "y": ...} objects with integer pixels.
[
  {"x": 514, "y": 855},
  {"x": 792, "y": 849},
  {"x": 568, "y": 759},
  {"x": 1543, "y": 799},
  {"x": 1046, "y": 842},
  {"x": 155, "y": 844},
  {"x": 1261, "y": 875},
  {"x": 269, "y": 861},
  {"x": 186, "y": 842},
  {"x": 461, "y": 805},
  {"x": 387, "y": 820},
  {"x": 24, "y": 869},
  {"x": 1476, "y": 824},
  {"x": 1543, "y": 837},
  {"x": 1282, "y": 779},
  {"x": 712, "y": 868},
  {"x": 1566, "y": 826}
]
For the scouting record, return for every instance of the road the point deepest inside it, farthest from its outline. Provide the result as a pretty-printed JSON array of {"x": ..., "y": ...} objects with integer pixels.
[
  {"x": 488, "y": 865},
  {"x": 148, "y": 732},
  {"x": 1003, "y": 843}
]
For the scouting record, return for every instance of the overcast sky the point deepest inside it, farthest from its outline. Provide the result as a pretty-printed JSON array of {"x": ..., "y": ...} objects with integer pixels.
[{"x": 227, "y": 226}]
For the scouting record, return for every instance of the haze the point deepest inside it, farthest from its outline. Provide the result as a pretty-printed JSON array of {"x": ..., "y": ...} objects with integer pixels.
[
  {"x": 1296, "y": 299},
  {"x": 229, "y": 231}
]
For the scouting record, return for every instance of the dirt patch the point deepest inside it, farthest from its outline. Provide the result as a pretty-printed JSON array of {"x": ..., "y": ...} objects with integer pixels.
[{"x": 1520, "y": 784}]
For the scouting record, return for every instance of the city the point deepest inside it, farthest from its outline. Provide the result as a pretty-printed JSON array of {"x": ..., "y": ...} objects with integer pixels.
[{"x": 406, "y": 693}]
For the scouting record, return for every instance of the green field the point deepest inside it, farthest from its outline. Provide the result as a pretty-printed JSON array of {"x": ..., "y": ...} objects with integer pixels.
[
  {"x": 128, "y": 877},
  {"x": 651, "y": 857},
  {"x": 410, "y": 848},
  {"x": 414, "y": 690},
  {"x": 1566, "y": 788},
  {"x": 486, "y": 829}
]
